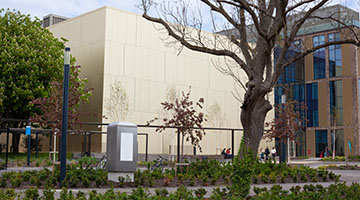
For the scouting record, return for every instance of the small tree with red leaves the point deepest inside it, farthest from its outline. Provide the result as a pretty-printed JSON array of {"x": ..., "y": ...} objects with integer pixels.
[
  {"x": 185, "y": 117},
  {"x": 51, "y": 107},
  {"x": 287, "y": 123}
]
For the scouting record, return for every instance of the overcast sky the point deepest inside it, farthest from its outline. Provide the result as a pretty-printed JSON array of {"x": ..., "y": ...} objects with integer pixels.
[{"x": 72, "y": 8}]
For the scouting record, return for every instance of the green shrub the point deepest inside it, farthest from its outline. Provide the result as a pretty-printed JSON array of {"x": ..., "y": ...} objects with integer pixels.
[
  {"x": 294, "y": 178},
  {"x": 3, "y": 182},
  {"x": 304, "y": 178},
  {"x": 49, "y": 194},
  {"x": 258, "y": 190},
  {"x": 181, "y": 193},
  {"x": 314, "y": 179},
  {"x": 8, "y": 194},
  {"x": 31, "y": 194},
  {"x": 200, "y": 193},
  {"x": 121, "y": 181},
  {"x": 272, "y": 177},
  {"x": 243, "y": 170},
  {"x": 264, "y": 178},
  {"x": 16, "y": 182},
  {"x": 218, "y": 194},
  {"x": 80, "y": 196},
  {"x": 161, "y": 193},
  {"x": 255, "y": 179}
]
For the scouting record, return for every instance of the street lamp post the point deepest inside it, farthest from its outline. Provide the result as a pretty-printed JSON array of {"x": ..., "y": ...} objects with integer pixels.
[
  {"x": 283, "y": 100},
  {"x": 64, "y": 114}
]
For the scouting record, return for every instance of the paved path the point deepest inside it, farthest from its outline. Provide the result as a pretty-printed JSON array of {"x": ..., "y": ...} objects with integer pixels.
[{"x": 315, "y": 163}]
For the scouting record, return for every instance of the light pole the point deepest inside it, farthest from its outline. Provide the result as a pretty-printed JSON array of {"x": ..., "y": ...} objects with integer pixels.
[
  {"x": 64, "y": 114},
  {"x": 283, "y": 100}
]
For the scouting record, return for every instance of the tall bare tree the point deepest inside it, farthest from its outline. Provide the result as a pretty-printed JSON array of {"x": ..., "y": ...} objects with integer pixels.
[{"x": 254, "y": 29}]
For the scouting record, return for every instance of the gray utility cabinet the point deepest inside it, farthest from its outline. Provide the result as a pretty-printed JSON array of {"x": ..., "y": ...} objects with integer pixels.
[{"x": 122, "y": 147}]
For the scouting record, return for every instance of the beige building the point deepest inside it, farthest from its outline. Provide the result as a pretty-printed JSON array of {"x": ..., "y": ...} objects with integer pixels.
[{"x": 114, "y": 48}]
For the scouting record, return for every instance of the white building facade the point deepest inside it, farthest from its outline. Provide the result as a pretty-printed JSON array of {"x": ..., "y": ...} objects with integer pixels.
[{"x": 116, "y": 47}]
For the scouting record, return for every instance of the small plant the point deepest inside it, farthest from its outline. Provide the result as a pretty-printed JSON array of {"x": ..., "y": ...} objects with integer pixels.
[
  {"x": 31, "y": 194},
  {"x": 121, "y": 181},
  {"x": 294, "y": 178},
  {"x": 166, "y": 181},
  {"x": 3, "y": 182},
  {"x": 48, "y": 163},
  {"x": 226, "y": 179},
  {"x": 255, "y": 179},
  {"x": 258, "y": 190},
  {"x": 264, "y": 178},
  {"x": 332, "y": 176},
  {"x": 304, "y": 178},
  {"x": 200, "y": 193},
  {"x": 213, "y": 181},
  {"x": 161, "y": 193},
  {"x": 192, "y": 181},
  {"x": 16, "y": 182},
  {"x": 49, "y": 194},
  {"x": 272, "y": 177},
  {"x": 180, "y": 178},
  {"x": 314, "y": 179}
]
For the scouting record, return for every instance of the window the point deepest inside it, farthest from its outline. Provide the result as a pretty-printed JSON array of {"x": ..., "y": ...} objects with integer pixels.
[
  {"x": 279, "y": 91},
  {"x": 321, "y": 142},
  {"x": 335, "y": 60},
  {"x": 319, "y": 57},
  {"x": 312, "y": 104},
  {"x": 292, "y": 73},
  {"x": 339, "y": 142},
  {"x": 336, "y": 103}
]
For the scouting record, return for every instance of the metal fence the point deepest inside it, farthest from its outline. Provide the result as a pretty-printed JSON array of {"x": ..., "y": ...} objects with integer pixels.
[{"x": 87, "y": 135}]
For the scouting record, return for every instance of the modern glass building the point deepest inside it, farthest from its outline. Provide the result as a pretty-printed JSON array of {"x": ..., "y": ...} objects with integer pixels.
[{"x": 327, "y": 81}]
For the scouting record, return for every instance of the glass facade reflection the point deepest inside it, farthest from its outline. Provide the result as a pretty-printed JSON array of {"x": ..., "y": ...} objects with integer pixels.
[
  {"x": 312, "y": 104},
  {"x": 336, "y": 103},
  {"x": 335, "y": 60},
  {"x": 321, "y": 142},
  {"x": 319, "y": 57}
]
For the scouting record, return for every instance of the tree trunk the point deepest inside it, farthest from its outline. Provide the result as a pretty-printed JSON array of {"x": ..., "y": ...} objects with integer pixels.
[
  {"x": 16, "y": 142},
  {"x": 182, "y": 149},
  {"x": 253, "y": 115}
]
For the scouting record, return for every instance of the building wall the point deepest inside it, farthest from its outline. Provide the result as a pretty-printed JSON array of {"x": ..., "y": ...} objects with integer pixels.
[
  {"x": 113, "y": 45},
  {"x": 350, "y": 92}
]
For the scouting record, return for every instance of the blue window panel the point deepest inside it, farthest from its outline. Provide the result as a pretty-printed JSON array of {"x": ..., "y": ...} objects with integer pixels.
[
  {"x": 312, "y": 104},
  {"x": 319, "y": 57},
  {"x": 321, "y": 142},
  {"x": 335, "y": 57},
  {"x": 279, "y": 91}
]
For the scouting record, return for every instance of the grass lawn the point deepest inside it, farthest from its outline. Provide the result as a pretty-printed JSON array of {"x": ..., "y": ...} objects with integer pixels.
[{"x": 20, "y": 159}]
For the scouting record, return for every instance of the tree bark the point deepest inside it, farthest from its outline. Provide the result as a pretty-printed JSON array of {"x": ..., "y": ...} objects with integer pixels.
[
  {"x": 253, "y": 116},
  {"x": 16, "y": 142}
]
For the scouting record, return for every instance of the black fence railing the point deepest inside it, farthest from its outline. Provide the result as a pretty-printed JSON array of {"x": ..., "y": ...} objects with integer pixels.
[{"x": 4, "y": 124}]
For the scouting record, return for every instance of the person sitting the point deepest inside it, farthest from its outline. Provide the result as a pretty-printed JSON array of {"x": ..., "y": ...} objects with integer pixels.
[
  {"x": 223, "y": 152},
  {"x": 228, "y": 153}
]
